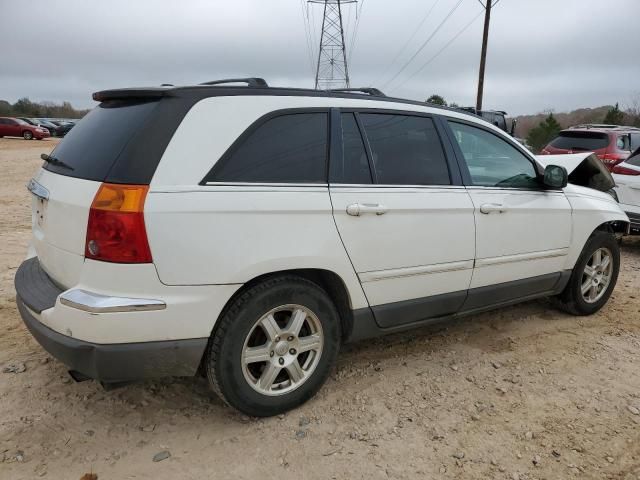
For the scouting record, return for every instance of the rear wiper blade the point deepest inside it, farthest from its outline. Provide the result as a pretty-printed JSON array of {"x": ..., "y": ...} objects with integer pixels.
[{"x": 55, "y": 161}]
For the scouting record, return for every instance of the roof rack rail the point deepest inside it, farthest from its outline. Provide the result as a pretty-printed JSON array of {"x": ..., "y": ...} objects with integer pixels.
[
  {"x": 250, "y": 81},
  {"x": 604, "y": 126},
  {"x": 368, "y": 90}
]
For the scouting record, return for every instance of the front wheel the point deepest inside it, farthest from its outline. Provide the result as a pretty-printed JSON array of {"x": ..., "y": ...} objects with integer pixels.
[
  {"x": 594, "y": 276},
  {"x": 27, "y": 135},
  {"x": 274, "y": 346}
]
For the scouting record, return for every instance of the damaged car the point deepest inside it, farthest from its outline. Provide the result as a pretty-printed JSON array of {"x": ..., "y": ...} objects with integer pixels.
[{"x": 308, "y": 220}]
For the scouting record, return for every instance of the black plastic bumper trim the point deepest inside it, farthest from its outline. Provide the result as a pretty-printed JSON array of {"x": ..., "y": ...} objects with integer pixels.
[
  {"x": 34, "y": 286},
  {"x": 120, "y": 362}
]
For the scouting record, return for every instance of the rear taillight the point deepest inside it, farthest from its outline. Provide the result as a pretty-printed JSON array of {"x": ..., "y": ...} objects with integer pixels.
[
  {"x": 610, "y": 159},
  {"x": 116, "y": 231},
  {"x": 619, "y": 169}
]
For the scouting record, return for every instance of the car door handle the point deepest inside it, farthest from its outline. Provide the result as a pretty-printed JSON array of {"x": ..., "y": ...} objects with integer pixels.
[
  {"x": 357, "y": 209},
  {"x": 492, "y": 207}
]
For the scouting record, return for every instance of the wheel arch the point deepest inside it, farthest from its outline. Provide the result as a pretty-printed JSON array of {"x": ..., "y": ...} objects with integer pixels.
[
  {"x": 330, "y": 281},
  {"x": 590, "y": 214}
]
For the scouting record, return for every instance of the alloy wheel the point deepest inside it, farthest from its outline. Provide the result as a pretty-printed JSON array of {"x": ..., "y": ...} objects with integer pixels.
[
  {"x": 596, "y": 275},
  {"x": 282, "y": 349}
]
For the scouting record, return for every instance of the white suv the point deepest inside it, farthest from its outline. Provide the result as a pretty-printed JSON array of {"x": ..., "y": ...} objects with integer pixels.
[{"x": 247, "y": 232}]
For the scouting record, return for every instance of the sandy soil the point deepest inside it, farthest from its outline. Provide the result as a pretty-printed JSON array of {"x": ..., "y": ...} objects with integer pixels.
[{"x": 522, "y": 393}]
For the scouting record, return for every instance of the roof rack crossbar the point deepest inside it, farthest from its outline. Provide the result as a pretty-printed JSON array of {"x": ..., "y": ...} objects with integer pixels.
[
  {"x": 368, "y": 90},
  {"x": 250, "y": 81}
]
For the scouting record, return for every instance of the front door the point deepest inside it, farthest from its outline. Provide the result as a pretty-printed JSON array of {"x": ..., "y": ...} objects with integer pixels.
[
  {"x": 408, "y": 231},
  {"x": 523, "y": 230}
]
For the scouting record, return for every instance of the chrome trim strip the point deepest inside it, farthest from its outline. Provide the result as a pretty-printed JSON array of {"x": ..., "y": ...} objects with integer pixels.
[
  {"x": 521, "y": 257},
  {"x": 38, "y": 190},
  {"x": 388, "y": 186},
  {"x": 412, "y": 271},
  {"x": 250, "y": 184},
  {"x": 96, "y": 303}
]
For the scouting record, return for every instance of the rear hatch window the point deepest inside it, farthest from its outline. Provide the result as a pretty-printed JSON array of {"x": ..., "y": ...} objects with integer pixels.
[
  {"x": 91, "y": 148},
  {"x": 581, "y": 141}
]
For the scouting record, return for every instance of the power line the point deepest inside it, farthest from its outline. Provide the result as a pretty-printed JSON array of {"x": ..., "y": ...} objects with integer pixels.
[
  {"x": 307, "y": 33},
  {"x": 437, "y": 54},
  {"x": 406, "y": 44},
  {"x": 352, "y": 46},
  {"x": 424, "y": 44}
]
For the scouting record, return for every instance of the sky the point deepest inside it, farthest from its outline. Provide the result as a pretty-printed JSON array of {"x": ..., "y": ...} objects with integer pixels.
[{"x": 543, "y": 54}]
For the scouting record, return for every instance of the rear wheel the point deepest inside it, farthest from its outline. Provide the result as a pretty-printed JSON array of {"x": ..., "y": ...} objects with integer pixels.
[
  {"x": 27, "y": 135},
  {"x": 274, "y": 346},
  {"x": 594, "y": 276}
]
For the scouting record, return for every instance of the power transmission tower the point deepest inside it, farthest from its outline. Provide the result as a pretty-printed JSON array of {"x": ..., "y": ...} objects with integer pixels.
[
  {"x": 483, "y": 54},
  {"x": 332, "y": 70}
]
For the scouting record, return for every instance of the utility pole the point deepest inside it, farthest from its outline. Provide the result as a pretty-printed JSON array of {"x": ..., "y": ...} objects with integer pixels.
[
  {"x": 332, "y": 70},
  {"x": 483, "y": 54}
]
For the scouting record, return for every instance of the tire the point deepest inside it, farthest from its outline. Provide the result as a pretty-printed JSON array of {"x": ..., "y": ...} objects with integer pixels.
[
  {"x": 572, "y": 299},
  {"x": 280, "y": 375},
  {"x": 27, "y": 135}
]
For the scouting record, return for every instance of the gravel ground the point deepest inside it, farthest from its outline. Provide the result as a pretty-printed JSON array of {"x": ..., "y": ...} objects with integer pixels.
[{"x": 520, "y": 393}]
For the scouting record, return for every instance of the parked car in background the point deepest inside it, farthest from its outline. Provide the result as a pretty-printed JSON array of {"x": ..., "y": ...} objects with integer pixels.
[
  {"x": 497, "y": 118},
  {"x": 63, "y": 127},
  {"x": 52, "y": 127},
  {"x": 16, "y": 127},
  {"x": 627, "y": 177},
  {"x": 310, "y": 219},
  {"x": 611, "y": 143}
]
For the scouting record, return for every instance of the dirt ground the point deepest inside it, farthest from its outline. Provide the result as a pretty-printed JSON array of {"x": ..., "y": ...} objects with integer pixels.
[{"x": 520, "y": 393}]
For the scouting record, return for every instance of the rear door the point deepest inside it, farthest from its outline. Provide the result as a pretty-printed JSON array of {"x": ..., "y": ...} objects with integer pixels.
[
  {"x": 523, "y": 230},
  {"x": 405, "y": 220}
]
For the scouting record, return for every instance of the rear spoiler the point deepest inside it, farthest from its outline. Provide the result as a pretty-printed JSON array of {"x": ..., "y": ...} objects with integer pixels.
[{"x": 127, "y": 93}]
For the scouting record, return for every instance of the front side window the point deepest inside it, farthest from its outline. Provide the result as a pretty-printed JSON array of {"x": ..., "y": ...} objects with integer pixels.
[
  {"x": 492, "y": 161},
  {"x": 290, "y": 148},
  {"x": 406, "y": 150}
]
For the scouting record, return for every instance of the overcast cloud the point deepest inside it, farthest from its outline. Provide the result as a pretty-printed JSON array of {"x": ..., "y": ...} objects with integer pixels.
[{"x": 543, "y": 54}]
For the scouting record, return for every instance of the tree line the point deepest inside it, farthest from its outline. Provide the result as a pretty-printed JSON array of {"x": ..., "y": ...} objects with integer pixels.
[{"x": 26, "y": 108}]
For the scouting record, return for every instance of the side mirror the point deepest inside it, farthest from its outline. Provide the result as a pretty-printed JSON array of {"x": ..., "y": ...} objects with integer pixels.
[{"x": 555, "y": 176}]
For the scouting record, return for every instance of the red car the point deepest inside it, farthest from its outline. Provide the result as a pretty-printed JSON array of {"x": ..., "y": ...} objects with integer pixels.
[
  {"x": 14, "y": 127},
  {"x": 612, "y": 144}
]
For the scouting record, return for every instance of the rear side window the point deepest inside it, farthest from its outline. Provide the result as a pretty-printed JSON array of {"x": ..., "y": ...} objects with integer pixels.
[
  {"x": 93, "y": 145},
  {"x": 355, "y": 165},
  {"x": 406, "y": 150},
  {"x": 290, "y": 148},
  {"x": 581, "y": 141},
  {"x": 635, "y": 141}
]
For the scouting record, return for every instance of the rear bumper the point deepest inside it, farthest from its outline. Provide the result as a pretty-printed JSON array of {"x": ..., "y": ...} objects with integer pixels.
[
  {"x": 118, "y": 362},
  {"x": 38, "y": 295}
]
